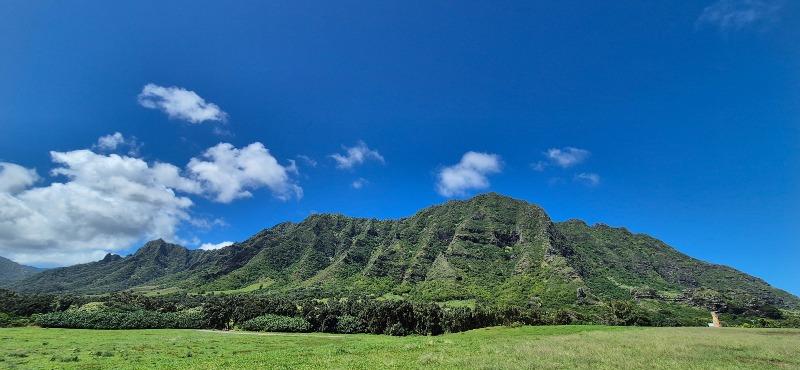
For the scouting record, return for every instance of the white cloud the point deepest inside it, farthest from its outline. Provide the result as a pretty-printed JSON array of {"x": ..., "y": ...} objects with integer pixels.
[
  {"x": 210, "y": 246},
  {"x": 539, "y": 166},
  {"x": 107, "y": 203},
  {"x": 180, "y": 103},
  {"x": 230, "y": 173},
  {"x": 292, "y": 167},
  {"x": 206, "y": 224},
  {"x": 733, "y": 15},
  {"x": 14, "y": 178},
  {"x": 589, "y": 179},
  {"x": 112, "y": 142},
  {"x": 170, "y": 176},
  {"x": 359, "y": 183},
  {"x": 307, "y": 160},
  {"x": 356, "y": 155},
  {"x": 564, "y": 157},
  {"x": 468, "y": 174}
]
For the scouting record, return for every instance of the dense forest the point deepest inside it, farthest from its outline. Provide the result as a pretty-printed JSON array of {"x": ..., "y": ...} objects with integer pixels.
[{"x": 345, "y": 315}]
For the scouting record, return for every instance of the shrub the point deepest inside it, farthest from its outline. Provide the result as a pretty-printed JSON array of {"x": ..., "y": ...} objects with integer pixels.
[
  {"x": 277, "y": 323},
  {"x": 627, "y": 313},
  {"x": 10, "y": 321},
  {"x": 93, "y": 306},
  {"x": 218, "y": 312},
  {"x": 396, "y": 329},
  {"x": 349, "y": 324},
  {"x": 563, "y": 317},
  {"x": 247, "y": 308},
  {"x": 17, "y": 304},
  {"x": 104, "y": 319}
]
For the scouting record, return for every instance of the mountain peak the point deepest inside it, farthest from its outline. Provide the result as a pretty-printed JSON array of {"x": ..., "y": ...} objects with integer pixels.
[
  {"x": 494, "y": 197},
  {"x": 110, "y": 257},
  {"x": 158, "y": 241},
  {"x": 490, "y": 200},
  {"x": 158, "y": 247}
]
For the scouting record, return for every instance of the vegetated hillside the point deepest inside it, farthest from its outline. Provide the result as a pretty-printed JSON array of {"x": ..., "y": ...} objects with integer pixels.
[
  {"x": 615, "y": 263},
  {"x": 490, "y": 248},
  {"x": 155, "y": 259},
  {"x": 11, "y": 271}
]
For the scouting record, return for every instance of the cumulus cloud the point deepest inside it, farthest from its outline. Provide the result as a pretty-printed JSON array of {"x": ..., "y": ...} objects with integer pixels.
[
  {"x": 170, "y": 176},
  {"x": 359, "y": 183},
  {"x": 14, "y": 178},
  {"x": 112, "y": 142},
  {"x": 230, "y": 173},
  {"x": 102, "y": 203},
  {"x": 471, "y": 173},
  {"x": 179, "y": 103},
  {"x": 566, "y": 157},
  {"x": 106, "y": 203},
  {"x": 733, "y": 15},
  {"x": 210, "y": 246},
  {"x": 356, "y": 155},
  {"x": 587, "y": 178}
]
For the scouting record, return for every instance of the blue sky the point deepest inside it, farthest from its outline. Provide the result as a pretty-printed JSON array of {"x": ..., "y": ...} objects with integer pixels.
[{"x": 677, "y": 120}]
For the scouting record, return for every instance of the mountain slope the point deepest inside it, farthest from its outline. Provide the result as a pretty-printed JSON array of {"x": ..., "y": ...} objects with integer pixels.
[
  {"x": 459, "y": 250},
  {"x": 616, "y": 263},
  {"x": 490, "y": 248},
  {"x": 11, "y": 271},
  {"x": 155, "y": 259}
]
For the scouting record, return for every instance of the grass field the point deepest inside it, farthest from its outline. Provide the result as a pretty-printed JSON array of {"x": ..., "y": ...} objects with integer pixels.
[{"x": 588, "y": 347}]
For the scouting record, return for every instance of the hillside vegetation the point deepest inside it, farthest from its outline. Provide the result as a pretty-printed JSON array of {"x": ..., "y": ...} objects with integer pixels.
[
  {"x": 11, "y": 271},
  {"x": 490, "y": 249}
]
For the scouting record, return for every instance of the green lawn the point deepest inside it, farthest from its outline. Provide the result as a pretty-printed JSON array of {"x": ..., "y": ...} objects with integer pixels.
[{"x": 589, "y": 347}]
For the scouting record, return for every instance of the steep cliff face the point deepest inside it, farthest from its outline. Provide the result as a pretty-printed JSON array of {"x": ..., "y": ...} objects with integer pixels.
[{"x": 490, "y": 248}]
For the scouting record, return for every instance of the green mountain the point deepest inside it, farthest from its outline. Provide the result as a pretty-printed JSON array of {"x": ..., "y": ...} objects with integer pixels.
[
  {"x": 155, "y": 259},
  {"x": 11, "y": 271},
  {"x": 490, "y": 248}
]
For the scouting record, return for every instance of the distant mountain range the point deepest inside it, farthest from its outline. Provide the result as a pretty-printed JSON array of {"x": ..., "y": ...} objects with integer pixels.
[
  {"x": 11, "y": 271},
  {"x": 490, "y": 248}
]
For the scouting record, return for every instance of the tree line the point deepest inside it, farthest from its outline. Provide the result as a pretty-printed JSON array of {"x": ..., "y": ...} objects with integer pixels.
[{"x": 124, "y": 310}]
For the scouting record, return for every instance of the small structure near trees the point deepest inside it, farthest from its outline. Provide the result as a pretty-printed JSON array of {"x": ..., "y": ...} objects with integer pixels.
[{"x": 714, "y": 320}]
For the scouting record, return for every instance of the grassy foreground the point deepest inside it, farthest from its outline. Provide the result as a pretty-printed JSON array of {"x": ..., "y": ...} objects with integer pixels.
[{"x": 589, "y": 347}]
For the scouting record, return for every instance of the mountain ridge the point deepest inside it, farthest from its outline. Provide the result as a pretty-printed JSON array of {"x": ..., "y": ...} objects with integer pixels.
[
  {"x": 11, "y": 271},
  {"x": 488, "y": 248}
]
